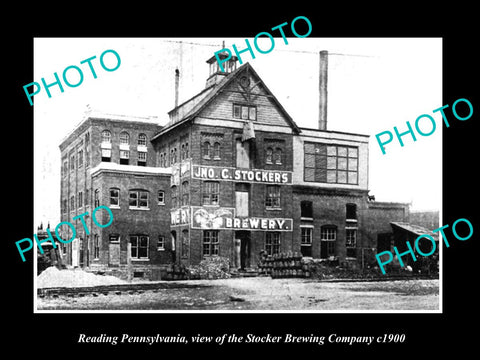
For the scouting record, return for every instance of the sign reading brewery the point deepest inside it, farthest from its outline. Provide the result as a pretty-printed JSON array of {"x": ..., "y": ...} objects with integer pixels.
[
  {"x": 233, "y": 174},
  {"x": 224, "y": 218},
  {"x": 180, "y": 216}
]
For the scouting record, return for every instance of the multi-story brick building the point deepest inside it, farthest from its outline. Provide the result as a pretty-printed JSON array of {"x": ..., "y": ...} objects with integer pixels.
[{"x": 231, "y": 175}]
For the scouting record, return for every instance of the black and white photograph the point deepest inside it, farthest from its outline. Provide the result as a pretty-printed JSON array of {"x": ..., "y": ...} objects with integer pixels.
[{"x": 186, "y": 178}]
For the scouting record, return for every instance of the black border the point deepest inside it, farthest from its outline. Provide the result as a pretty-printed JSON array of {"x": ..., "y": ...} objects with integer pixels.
[{"x": 425, "y": 333}]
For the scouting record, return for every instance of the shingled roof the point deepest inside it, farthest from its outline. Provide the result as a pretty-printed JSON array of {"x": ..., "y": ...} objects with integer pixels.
[
  {"x": 414, "y": 229},
  {"x": 193, "y": 106}
]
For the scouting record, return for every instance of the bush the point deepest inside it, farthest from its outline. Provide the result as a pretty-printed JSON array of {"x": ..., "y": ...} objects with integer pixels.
[{"x": 216, "y": 267}]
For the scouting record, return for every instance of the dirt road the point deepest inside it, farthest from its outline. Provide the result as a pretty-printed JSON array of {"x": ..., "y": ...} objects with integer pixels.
[{"x": 263, "y": 293}]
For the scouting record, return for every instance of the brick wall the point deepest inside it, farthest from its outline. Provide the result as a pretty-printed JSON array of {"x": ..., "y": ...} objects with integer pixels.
[{"x": 153, "y": 222}]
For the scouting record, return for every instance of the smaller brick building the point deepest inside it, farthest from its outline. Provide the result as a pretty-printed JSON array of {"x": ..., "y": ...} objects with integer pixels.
[{"x": 109, "y": 160}]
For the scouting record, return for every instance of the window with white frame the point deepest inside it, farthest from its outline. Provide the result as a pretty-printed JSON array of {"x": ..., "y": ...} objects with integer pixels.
[
  {"x": 124, "y": 138},
  {"x": 106, "y": 137},
  {"x": 351, "y": 242},
  {"x": 142, "y": 139},
  {"x": 306, "y": 237},
  {"x": 161, "y": 197},
  {"x": 106, "y": 155},
  {"x": 161, "y": 243},
  {"x": 114, "y": 197},
  {"x": 328, "y": 238},
  {"x": 138, "y": 199},
  {"x": 142, "y": 158}
]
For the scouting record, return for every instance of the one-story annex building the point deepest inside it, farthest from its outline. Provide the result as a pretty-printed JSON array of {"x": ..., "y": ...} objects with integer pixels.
[{"x": 230, "y": 175}]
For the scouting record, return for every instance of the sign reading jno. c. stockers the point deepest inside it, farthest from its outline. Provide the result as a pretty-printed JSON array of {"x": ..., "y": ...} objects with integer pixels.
[{"x": 233, "y": 174}]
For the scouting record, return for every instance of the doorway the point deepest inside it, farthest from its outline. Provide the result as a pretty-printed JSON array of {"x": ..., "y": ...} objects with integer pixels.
[
  {"x": 242, "y": 249},
  {"x": 384, "y": 242}
]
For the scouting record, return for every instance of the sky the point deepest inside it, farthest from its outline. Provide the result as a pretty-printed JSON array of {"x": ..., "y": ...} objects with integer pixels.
[{"x": 374, "y": 84}]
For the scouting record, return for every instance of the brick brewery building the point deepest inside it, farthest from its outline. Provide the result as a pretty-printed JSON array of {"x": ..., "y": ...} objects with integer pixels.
[{"x": 230, "y": 175}]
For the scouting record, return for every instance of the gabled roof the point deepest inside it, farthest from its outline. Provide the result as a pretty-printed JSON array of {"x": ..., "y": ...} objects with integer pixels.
[{"x": 192, "y": 107}]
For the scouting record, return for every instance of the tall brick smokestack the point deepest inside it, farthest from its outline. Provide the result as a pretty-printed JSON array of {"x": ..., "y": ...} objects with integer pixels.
[
  {"x": 323, "y": 92},
  {"x": 177, "y": 79}
]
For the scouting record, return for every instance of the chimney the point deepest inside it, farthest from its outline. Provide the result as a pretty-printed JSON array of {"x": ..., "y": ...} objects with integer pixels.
[
  {"x": 177, "y": 79},
  {"x": 323, "y": 77}
]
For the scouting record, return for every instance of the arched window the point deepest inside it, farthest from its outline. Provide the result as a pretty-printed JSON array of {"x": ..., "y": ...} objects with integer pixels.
[
  {"x": 142, "y": 139},
  {"x": 106, "y": 136},
  {"x": 124, "y": 138},
  {"x": 216, "y": 150},
  {"x": 174, "y": 194},
  {"x": 185, "y": 193},
  {"x": 269, "y": 156},
  {"x": 185, "y": 243},
  {"x": 87, "y": 149},
  {"x": 174, "y": 240},
  {"x": 277, "y": 156},
  {"x": 206, "y": 149},
  {"x": 173, "y": 156}
]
